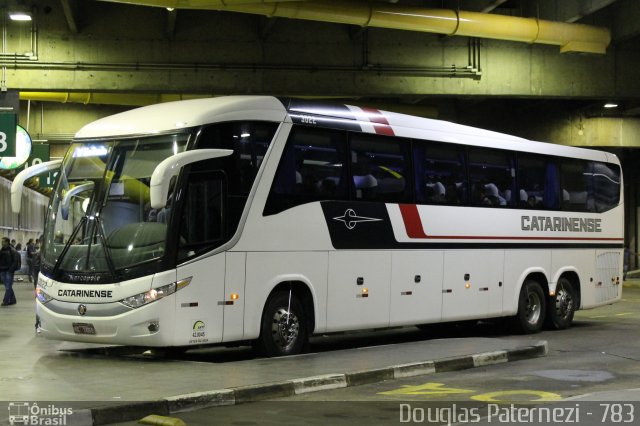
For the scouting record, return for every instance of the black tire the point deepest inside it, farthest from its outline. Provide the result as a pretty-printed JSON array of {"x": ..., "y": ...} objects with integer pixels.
[
  {"x": 531, "y": 308},
  {"x": 283, "y": 330},
  {"x": 562, "y": 306}
]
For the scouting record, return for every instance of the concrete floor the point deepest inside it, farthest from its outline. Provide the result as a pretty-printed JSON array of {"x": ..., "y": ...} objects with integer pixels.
[{"x": 87, "y": 376}]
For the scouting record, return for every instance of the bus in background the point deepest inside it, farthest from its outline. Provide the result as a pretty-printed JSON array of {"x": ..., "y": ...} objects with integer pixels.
[{"x": 266, "y": 220}]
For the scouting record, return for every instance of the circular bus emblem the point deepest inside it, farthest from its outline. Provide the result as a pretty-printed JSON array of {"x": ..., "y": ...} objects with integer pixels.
[{"x": 82, "y": 309}]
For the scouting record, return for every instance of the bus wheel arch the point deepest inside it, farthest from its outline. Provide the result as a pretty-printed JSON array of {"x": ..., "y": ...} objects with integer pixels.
[
  {"x": 530, "y": 315},
  {"x": 287, "y": 321},
  {"x": 562, "y": 305}
]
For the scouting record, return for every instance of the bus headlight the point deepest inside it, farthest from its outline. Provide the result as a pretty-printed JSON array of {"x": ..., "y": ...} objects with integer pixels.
[
  {"x": 42, "y": 296},
  {"x": 154, "y": 294}
]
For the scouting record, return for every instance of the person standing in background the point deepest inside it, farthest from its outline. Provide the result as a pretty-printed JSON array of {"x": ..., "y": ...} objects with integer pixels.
[
  {"x": 8, "y": 265},
  {"x": 31, "y": 249}
]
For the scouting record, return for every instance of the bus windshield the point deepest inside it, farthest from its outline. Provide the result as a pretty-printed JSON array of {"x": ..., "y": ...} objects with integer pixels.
[{"x": 100, "y": 218}]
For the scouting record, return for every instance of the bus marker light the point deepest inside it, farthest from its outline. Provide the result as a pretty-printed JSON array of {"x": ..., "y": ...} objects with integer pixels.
[
  {"x": 235, "y": 296},
  {"x": 467, "y": 285},
  {"x": 364, "y": 293},
  {"x": 183, "y": 283}
]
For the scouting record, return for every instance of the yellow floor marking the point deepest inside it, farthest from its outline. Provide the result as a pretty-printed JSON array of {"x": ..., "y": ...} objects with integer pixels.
[
  {"x": 432, "y": 389},
  {"x": 156, "y": 420},
  {"x": 499, "y": 396}
]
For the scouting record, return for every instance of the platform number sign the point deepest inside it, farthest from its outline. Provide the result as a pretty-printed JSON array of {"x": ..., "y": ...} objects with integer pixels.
[
  {"x": 8, "y": 135},
  {"x": 39, "y": 154},
  {"x": 47, "y": 180}
]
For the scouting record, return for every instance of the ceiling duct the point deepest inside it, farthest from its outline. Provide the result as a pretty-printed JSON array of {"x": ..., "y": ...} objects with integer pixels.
[
  {"x": 126, "y": 99},
  {"x": 570, "y": 37}
]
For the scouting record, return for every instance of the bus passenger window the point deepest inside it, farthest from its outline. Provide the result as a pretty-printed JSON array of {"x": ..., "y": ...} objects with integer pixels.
[
  {"x": 491, "y": 175},
  {"x": 577, "y": 188},
  {"x": 538, "y": 182},
  {"x": 440, "y": 173},
  {"x": 311, "y": 169},
  {"x": 379, "y": 167},
  {"x": 606, "y": 185}
]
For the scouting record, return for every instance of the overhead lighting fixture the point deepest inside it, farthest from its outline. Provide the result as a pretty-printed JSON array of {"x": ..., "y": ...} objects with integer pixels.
[
  {"x": 610, "y": 105},
  {"x": 20, "y": 15}
]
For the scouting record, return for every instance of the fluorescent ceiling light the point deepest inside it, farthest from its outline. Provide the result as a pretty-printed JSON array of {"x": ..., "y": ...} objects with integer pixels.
[
  {"x": 20, "y": 16},
  {"x": 610, "y": 105}
]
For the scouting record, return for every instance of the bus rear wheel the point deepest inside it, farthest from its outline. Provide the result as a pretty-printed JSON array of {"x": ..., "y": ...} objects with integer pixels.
[
  {"x": 284, "y": 328},
  {"x": 562, "y": 306},
  {"x": 531, "y": 308}
]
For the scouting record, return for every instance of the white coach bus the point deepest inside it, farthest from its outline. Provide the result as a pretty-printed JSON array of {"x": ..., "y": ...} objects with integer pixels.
[{"x": 253, "y": 218}]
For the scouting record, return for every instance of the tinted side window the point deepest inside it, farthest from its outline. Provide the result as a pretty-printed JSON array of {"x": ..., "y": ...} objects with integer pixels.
[
  {"x": 312, "y": 168},
  {"x": 577, "y": 186},
  {"x": 249, "y": 141},
  {"x": 606, "y": 185},
  {"x": 538, "y": 182},
  {"x": 440, "y": 173},
  {"x": 202, "y": 222},
  {"x": 380, "y": 168},
  {"x": 491, "y": 176}
]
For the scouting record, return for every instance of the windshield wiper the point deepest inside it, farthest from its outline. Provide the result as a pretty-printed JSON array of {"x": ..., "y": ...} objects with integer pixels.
[
  {"x": 98, "y": 231},
  {"x": 65, "y": 249},
  {"x": 105, "y": 247}
]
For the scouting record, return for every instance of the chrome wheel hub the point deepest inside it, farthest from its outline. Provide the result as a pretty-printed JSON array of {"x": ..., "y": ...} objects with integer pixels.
[
  {"x": 564, "y": 303},
  {"x": 285, "y": 328},
  {"x": 532, "y": 311}
]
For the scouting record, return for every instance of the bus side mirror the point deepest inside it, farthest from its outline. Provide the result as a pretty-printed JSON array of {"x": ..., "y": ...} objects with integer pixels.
[
  {"x": 171, "y": 166},
  {"x": 19, "y": 180},
  {"x": 66, "y": 201}
]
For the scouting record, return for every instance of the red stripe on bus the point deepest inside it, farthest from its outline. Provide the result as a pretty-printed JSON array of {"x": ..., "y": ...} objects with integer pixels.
[
  {"x": 412, "y": 221},
  {"x": 380, "y": 123},
  {"x": 415, "y": 230}
]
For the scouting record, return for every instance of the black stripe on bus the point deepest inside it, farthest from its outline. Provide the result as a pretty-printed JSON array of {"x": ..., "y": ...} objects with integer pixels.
[{"x": 367, "y": 226}]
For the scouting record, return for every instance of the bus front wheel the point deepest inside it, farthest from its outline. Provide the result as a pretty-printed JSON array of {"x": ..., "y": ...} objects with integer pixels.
[
  {"x": 562, "y": 306},
  {"x": 531, "y": 308},
  {"x": 284, "y": 328}
]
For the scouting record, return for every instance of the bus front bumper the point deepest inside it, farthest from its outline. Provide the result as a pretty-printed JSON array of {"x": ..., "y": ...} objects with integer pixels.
[{"x": 108, "y": 323}]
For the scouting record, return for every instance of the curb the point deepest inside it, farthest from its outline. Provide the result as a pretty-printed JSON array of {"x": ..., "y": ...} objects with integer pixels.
[{"x": 243, "y": 394}]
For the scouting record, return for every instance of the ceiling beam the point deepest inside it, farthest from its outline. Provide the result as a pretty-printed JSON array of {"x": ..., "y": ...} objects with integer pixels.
[
  {"x": 626, "y": 19},
  {"x": 574, "y": 10},
  {"x": 70, "y": 8}
]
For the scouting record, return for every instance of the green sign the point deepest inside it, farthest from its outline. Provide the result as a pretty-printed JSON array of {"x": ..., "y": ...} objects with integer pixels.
[
  {"x": 47, "y": 180},
  {"x": 8, "y": 122},
  {"x": 39, "y": 154}
]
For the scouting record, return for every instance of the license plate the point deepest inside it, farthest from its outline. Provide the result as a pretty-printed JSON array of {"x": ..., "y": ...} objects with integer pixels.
[{"x": 83, "y": 328}]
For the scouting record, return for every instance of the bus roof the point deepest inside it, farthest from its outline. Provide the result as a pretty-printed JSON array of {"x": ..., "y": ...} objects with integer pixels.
[{"x": 172, "y": 116}]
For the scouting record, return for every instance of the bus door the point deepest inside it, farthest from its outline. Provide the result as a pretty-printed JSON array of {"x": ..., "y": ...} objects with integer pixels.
[
  {"x": 201, "y": 224},
  {"x": 472, "y": 285}
]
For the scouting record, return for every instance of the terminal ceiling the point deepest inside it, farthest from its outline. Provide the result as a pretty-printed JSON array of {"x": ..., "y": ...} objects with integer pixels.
[{"x": 132, "y": 52}]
